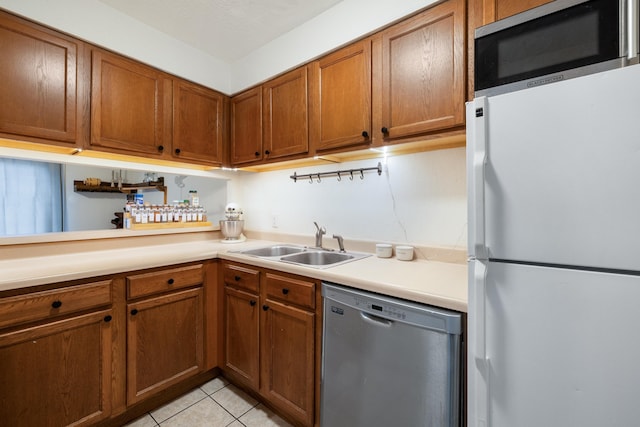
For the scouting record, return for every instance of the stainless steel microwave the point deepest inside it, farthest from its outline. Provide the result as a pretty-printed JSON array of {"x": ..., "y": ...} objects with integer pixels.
[{"x": 556, "y": 41}]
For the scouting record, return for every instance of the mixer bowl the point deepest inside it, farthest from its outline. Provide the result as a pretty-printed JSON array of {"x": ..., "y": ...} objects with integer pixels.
[{"x": 231, "y": 229}]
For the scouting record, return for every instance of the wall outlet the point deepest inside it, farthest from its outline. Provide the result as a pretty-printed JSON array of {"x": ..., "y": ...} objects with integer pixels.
[{"x": 274, "y": 221}]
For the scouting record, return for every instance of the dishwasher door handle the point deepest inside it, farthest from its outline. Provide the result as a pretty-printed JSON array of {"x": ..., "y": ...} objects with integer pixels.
[{"x": 376, "y": 320}]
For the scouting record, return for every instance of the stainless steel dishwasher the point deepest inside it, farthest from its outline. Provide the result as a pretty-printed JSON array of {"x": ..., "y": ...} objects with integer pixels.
[{"x": 388, "y": 362}]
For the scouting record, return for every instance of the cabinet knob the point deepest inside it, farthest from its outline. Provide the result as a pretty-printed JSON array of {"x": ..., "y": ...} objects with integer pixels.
[
  {"x": 161, "y": 148},
  {"x": 107, "y": 318},
  {"x": 170, "y": 281},
  {"x": 56, "y": 304},
  {"x": 285, "y": 291},
  {"x": 177, "y": 151},
  {"x": 134, "y": 312},
  {"x": 385, "y": 130},
  {"x": 237, "y": 278},
  {"x": 265, "y": 307},
  {"x": 267, "y": 152},
  {"x": 257, "y": 153},
  {"x": 252, "y": 303},
  {"x": 365, "y": 134}
]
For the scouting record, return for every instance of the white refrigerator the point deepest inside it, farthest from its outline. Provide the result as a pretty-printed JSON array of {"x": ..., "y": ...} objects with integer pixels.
[{"x": 554, "y": 241}]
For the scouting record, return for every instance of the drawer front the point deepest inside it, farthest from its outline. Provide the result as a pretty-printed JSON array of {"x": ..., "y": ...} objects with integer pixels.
[
  {"x": 241, "y": 277},
  {"x": 294, "y": 291},
  {"x": 57, "y": 302},
  {"x": 158, "y": 282}
]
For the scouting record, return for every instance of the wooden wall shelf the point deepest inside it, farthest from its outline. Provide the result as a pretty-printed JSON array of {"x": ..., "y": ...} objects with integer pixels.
[{"x": 106, "y": 187}]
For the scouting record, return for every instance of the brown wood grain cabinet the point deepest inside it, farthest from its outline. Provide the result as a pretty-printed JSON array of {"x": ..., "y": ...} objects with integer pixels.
[
  {"x": 340, "y": 94},
  {"x": 423, "y": 72},
  {"x": 165, "y": 342},
  {"x": 241, "y": 333},
  {"x": 130, "y": 106},
  {"x": 288, "y": 350},
  {"x": 285, "y": 122},
  {"x": 246, "y": 127},
  {"x": 272, "y": 338},
  {"x": 494, "y": 10},
  {"x": 39, "y": 74},
  {"x": 56, "y": 368},
  {"x": 198, "y": 123}
]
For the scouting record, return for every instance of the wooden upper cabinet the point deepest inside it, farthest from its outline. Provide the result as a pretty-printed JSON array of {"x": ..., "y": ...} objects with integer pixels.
[
  {"x": 423, "y": 72},
  {"x": 39, "y": 81},
  {"x": 285, "y": 115},
  {"x": 495, "y": 10},
  {"x": 246, "y": 127},
  {"x": 340, "y": 94},
  {"x": 129, "y": 101},
  {"x": 198, "y": 122}
]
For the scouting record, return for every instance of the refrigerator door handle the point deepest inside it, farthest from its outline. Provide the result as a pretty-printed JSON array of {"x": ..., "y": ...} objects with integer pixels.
[
  {"x": 476, "y": 119},
  {"x": 633, "y": 32},
  {"x": 482, "y": 363}
]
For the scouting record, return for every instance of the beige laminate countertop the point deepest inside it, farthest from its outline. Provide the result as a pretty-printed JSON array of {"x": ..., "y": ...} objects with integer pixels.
[{"x": 436, "y": 283}]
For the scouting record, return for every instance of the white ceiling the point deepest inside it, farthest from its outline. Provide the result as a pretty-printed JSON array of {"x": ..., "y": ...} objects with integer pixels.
[{"x": 225, "y": 29}]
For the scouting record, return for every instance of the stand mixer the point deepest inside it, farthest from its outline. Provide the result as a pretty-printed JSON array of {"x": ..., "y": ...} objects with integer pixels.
[{"x": 232, "y": 226}]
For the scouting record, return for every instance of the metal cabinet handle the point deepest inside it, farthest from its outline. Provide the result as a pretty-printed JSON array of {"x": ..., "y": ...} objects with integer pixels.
[
  {"x": 177, "y": 151},
  {"x": 365, "y": 134},
  {"x": 56, "y": 304},
  {"x": 134, "y": 312},
  {"x": 107, "y": 318},
  {"x": 237, "y": 278},
  {"x": 252, "y": 303},
  {"x": 170, "y": 281},
  {"x": 385, "y": 130},
  {"x": 161, "y": 148},
  {"x": 265, "y": 307},
  {"x": 285, "y": 291}
]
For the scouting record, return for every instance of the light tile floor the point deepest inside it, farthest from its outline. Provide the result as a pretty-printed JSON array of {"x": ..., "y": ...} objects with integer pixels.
[{"x": 214, "y": 404}]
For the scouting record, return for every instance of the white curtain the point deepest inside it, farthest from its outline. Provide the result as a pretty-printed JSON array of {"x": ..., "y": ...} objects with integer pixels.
[{"x": 30, "y": 197}]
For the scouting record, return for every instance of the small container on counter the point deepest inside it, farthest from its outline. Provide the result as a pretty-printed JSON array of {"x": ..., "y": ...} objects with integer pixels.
[
  {"x": 384, "y": 250},
  {"x": 404, "y": 253}
]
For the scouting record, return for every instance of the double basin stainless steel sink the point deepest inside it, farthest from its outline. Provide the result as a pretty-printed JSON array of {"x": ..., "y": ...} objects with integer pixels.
[{"x": 300, "y": 255}]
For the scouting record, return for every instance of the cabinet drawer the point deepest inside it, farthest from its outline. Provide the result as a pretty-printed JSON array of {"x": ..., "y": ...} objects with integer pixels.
[
  {"x": 57, "y": 302},
  {"x": 294, "y": 291},
  {"x": 157, "y": 282},
  {"x": 241, "y": 277}
]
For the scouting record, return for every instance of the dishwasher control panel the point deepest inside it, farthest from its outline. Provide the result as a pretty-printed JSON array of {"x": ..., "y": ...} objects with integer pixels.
[{"x": 383, "y": 309}]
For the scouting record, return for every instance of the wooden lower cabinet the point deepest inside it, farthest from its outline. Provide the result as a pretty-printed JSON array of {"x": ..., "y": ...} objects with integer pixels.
[
  {"x": 242, "y": 335},
  {"x": 164, "y": 342},
  {"x": 102, "y": 351},
  {"x": 287, "y": 356},
  {"x": 271, "y": 341},
  {"x": 57, "y": 373}
]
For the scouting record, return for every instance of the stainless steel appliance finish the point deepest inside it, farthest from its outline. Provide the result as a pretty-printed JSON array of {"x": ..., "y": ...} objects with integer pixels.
[
  {"x": 557, "y": 41},
  {"x": 388, "y": 362}
]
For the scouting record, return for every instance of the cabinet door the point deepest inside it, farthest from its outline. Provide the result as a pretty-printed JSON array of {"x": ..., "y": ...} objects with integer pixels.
[
  {"x": 197, "y": 123},
  {"x": 38, "y": 72},
  {"x": 423, "y": 80},
  {"x": 285, "y": 116},
  {"x": 340, "y": 93},
  {"x": 241, "y": 331},
  {"x": 246, "y": 127},
  {"x": 164, "y": 342},
  {"x": 128, "y": 103},
  {"x": 58, "y": 373},
  {"x": 500, "y": 9},
  {"x": 288, "y": 359}
]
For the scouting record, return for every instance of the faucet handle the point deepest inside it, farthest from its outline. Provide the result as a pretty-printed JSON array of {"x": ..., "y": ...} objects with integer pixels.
[
  {"x": 340, "y": 242},
  {"x": 321, "y": 230}
]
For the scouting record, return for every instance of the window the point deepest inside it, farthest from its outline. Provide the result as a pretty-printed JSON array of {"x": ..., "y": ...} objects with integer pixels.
[{"x": 30, "y": 197}]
